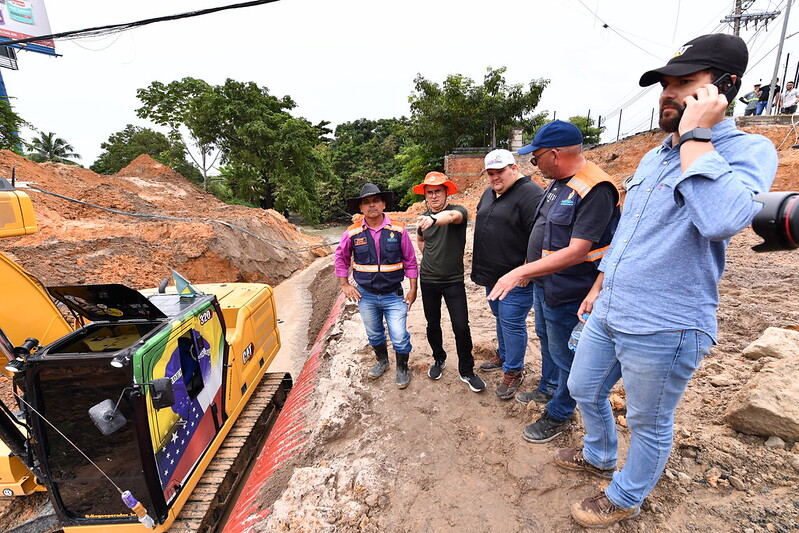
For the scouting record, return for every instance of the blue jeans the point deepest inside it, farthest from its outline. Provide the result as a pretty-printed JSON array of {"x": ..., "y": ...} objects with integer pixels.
[
  {"x": 511, "y": 314},
  {"x": 656, "y": 369},
  {"x": 375, "y": 307},
  {"x": 554, "y": 325},
  {"x": 549, "y": 370},
  {"x": 760, "y": 107}
]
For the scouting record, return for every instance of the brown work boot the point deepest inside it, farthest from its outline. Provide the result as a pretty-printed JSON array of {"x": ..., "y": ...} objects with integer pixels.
[
  {"x": 511, "y": 381},
  {"x": 572, "y": 459},
  {"x": 598, "y": 512},
  {"x": 492, "y": 365}
]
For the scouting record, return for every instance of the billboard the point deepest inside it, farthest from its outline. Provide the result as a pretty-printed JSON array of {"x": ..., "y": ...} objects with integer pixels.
[{"x": 20, "y": 19}]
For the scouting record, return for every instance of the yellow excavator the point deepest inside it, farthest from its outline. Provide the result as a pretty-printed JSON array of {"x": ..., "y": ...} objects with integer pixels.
[{"x": 140, "y": 416}]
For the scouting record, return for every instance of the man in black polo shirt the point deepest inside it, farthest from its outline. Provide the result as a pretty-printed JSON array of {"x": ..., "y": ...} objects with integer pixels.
[{"x": 505, "y": 216}]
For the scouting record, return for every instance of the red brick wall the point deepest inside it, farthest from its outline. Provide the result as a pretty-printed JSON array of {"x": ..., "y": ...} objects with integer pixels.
[{"x": 463, "y": 169}]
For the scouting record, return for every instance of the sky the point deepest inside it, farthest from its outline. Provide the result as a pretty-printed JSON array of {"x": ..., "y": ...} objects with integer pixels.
[{"x": 348, "y": 59}]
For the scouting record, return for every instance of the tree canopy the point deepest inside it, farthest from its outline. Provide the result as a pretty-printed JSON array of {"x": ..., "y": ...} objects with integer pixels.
[
  {"x": 366, "y": 151},
  {"x": 460, "y": 113},
  {"x": 48, "y": 147},
  {"x": 10, "y": 123},
  {"x": 124, "y": 146},
  {"x": 270, "y": 158},
  {"x": 591, "y": 134},
  {"x": 176, "y": 105}
]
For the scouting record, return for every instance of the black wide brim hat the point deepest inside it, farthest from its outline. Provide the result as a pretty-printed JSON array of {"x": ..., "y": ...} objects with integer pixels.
[{"x": 369, "y": 189}]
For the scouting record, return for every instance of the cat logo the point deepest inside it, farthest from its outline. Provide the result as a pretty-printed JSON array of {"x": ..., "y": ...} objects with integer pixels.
[{"x": 247, "y": 354}]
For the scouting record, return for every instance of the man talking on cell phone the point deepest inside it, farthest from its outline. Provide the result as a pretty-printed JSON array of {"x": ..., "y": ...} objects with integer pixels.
[{"x": 653, "y": 306}]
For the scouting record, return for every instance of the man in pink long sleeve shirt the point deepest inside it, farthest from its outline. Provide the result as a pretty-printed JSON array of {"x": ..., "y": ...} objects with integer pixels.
[{"x": 381, "y": 255}]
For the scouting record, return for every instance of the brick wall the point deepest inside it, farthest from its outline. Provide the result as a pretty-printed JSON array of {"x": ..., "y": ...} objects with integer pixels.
[{"x": 463, "y": 169}]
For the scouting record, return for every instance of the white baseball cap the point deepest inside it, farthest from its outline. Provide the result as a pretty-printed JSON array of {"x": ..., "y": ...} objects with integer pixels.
[{"x": 498, "y": 159}]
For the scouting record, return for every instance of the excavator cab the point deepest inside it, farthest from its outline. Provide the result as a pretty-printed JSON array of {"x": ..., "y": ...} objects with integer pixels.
[{"x": 138, "y": 391}]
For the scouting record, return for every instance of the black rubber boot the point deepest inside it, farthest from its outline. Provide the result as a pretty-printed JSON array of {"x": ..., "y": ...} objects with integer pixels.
[
  {"x": 403, "y": 376},
  {"x": 381, "y": 351}
]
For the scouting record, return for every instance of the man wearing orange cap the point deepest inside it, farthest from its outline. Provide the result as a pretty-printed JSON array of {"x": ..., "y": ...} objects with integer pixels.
[{"x": 441, "y": 238}]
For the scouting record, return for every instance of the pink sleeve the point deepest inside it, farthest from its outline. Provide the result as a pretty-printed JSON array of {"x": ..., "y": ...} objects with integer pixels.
[{"x": 343, "y": 256}]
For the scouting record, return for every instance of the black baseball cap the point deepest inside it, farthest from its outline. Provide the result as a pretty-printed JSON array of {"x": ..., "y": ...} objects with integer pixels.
[{"x": 717, "y": 50}]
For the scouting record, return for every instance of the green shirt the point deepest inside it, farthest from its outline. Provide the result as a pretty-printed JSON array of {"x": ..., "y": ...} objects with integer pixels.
[{"x": 442, "y": 259}]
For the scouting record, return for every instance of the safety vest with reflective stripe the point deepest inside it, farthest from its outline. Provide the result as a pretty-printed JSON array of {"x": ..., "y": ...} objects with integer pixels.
[
  {"x": 573, "y": 283},
  {"x": 387, "y": 275}
]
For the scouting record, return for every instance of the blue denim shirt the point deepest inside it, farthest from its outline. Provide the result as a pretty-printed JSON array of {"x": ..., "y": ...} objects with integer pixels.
[{"x": 668, "y": 254}]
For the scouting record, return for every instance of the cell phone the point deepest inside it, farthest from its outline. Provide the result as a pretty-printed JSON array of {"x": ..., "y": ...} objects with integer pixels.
[{"x": 725, "y": 85}]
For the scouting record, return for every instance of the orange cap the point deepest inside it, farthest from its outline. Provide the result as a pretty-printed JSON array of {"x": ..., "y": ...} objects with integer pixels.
[{"x": 436, "y": 178}]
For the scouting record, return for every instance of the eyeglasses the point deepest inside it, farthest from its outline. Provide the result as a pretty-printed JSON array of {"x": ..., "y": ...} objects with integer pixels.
[
  {"x": 534, "y": 159},
  {"x": 435, "y": 192}
]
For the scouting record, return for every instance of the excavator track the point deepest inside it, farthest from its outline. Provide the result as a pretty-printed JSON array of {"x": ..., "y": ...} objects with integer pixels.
[{"x": 207, "y": 503}]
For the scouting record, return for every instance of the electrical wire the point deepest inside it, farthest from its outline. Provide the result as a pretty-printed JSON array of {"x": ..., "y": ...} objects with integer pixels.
[
  {"x": 608, "y": 26},
  {"x": 114, "y": 28}
]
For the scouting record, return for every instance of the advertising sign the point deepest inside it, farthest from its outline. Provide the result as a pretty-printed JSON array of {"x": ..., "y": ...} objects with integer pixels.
[{"x": 20, "y": 19}]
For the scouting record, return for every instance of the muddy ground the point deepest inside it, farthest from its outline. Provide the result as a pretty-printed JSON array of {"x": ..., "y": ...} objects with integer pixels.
[{"x": 438, "y": 457}]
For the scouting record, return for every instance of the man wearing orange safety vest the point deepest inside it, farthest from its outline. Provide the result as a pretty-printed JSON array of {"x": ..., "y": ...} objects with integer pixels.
[
  {"x": 382, "y": 256},
  {"x": 574, "y": 224}
]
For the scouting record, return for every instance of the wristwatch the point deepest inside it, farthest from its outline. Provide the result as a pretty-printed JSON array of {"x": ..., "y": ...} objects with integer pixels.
[{"x": 696, "y": 134}]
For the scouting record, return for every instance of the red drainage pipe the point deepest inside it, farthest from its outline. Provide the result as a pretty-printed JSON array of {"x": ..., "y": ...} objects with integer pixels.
[{"x": 285, "y": 439}]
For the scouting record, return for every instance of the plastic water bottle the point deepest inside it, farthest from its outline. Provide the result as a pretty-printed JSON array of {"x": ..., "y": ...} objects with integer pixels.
[{"x": 574, "y": 338}]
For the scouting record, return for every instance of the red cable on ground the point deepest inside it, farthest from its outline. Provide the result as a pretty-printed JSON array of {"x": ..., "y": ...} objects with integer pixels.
[{"x": 285, "y": 439}]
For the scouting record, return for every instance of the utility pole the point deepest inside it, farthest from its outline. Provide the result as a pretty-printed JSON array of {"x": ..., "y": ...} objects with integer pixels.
[
  {"x": 779, "y": 55},
  {"x": 740, "y": 16}
]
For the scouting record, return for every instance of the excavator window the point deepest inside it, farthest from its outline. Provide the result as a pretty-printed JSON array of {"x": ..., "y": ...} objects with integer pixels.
[{"x": 190, "y": 366}]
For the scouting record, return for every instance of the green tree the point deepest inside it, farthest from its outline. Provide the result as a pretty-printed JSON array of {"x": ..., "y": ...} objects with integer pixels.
[
  {"x": 48, "y": 147},
  {"x": 461, "y": 113},
  {"x": 10, "y": 124},
  {"x": 175, "y": 105},
  {"x": 365, "y": 151},
  {"x": 124, "y": 146},
  {"x": 591, "y": 133},
  {"x": 256, "y": 133}
]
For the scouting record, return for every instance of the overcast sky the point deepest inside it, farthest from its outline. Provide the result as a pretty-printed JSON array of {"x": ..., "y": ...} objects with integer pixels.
[{"x": 347, "y": 59}]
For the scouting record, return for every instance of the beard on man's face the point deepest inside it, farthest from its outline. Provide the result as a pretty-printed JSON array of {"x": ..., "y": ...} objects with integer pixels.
[{"x": 670, "y": 125}]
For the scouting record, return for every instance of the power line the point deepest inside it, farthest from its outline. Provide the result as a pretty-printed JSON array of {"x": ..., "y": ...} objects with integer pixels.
[
  {"x": 607, "y": 26},
  {"x": 114, "y": 28}
]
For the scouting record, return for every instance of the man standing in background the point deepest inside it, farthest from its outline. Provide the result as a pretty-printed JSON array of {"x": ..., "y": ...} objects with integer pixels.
[{"x": 788, "y": 99}]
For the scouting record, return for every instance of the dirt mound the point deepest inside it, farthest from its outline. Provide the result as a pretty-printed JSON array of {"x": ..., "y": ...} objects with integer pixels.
[{"x": 132, "y": 227}]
